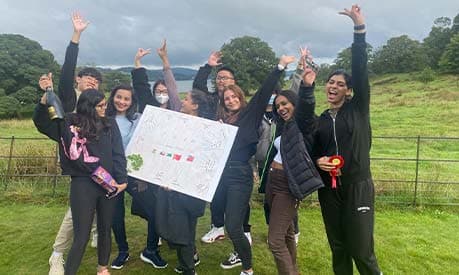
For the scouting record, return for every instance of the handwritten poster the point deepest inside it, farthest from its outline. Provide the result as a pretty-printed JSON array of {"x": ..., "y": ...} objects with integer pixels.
[{"x": 178, "y": 151}]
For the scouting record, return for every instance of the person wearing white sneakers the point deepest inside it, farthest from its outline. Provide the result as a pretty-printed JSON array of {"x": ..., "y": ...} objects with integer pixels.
[
  {"x": 237, "y": 178},
  {"x": 87, "y": 78}
]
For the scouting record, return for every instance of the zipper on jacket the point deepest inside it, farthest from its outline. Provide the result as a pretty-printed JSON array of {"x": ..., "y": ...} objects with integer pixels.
[{"x": 333, "y": 115}]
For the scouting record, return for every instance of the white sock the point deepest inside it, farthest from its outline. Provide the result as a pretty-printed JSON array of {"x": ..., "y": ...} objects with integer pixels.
[{"x": 57, "y": 254}]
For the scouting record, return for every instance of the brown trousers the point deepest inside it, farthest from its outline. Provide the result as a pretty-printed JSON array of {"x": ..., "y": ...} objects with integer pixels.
[{"x": 281, "y": 233}]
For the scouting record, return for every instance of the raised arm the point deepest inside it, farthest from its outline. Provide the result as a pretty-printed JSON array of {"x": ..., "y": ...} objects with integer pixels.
[
  {"x": 200, "y": 80},
  {"x": 174, "y": 101},
  {"x": 259, "y": 101},
  {"x": 361, "y": 86},
  {"x": 140, "y": 82},
  {"x": 304, "y": 112},
  {"x": 66, "y": 90},
  {"x": 298, "y": 74}
]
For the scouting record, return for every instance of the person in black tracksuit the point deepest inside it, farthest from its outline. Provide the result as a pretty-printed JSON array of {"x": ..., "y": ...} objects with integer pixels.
[
  {"x": 236, "y": 181},
  {"x": 344, "y": 130},
  {"x": 86, "y": 140}
]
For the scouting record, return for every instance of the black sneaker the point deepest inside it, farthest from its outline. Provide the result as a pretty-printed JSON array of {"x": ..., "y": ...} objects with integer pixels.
[
  {"x": 179, "y": 269},
  {"x": 120, "y": 260},
  {"x": 233, "y": 261},
  {"x": 153, "y": 258}
]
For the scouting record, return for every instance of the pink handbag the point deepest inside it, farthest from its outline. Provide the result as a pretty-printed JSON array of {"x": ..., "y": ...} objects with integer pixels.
[{"x": 105, "y": 180}]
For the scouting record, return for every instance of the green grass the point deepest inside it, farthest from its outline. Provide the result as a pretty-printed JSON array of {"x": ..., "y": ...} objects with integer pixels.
[{"x": 407, "y": 241}]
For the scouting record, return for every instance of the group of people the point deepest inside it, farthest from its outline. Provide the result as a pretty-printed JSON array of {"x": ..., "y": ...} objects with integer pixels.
[{"x": 298, "y": 153}]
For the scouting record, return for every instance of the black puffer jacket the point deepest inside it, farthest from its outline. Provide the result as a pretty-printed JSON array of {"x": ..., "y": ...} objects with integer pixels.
[{"x": 296, "y": 144}]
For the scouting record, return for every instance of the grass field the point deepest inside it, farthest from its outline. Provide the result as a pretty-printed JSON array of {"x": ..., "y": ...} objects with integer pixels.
[
  {"x": 407, "y": 241},
  {"x": 420, "y": 240}
]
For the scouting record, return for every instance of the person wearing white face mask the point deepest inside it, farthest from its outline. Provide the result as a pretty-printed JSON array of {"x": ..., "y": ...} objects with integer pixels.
[{"x": 164, "y": 93}]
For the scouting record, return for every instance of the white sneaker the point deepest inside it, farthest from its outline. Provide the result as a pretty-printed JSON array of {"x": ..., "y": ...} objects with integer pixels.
[
  {"x": 215, "y": 233},
  {"x": 94, "y": 240},
  {"x": 249, "y": 237},
  {"x": 56, "y": 264},
  {"x": 297, "y": 238},
  {"x": 160, "y": 242}
]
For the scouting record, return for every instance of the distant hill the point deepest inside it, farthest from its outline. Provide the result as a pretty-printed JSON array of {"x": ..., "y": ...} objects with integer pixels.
[{"x": 153, "y": 75}]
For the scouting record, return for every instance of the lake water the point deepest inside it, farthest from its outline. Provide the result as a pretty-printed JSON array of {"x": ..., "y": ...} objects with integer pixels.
[{"x": 186, "y": 85}]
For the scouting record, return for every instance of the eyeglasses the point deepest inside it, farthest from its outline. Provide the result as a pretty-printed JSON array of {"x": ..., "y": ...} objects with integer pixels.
[
  {"x": 161, "y": 91},
  {"x": 92, "y": 77},
  {"x": 101, "y": 106},
  {"x": 223, "y": 78}
]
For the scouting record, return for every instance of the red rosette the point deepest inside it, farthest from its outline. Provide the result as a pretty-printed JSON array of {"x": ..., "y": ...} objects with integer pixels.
[{"x": 338, "y": 161}]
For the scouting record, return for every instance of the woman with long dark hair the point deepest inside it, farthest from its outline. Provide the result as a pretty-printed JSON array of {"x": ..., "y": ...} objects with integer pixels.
[
  {"x": 87, "y": 140},
  {"x": 236, "y": 183},
  {"x": 342, "y": 154},
  {"x": 122, "y": 105},
  {"x": 291, "y": 175}
]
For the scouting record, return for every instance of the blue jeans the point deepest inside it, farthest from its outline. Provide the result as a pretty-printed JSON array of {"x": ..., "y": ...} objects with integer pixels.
[{"x": 118, "y": 225}]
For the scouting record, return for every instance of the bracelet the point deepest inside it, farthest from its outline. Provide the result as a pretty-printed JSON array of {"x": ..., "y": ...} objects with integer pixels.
[{"x": 359, "y": 27}]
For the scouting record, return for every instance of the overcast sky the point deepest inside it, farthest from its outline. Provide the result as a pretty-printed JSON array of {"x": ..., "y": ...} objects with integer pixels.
[{"x": 194, "y": 28}]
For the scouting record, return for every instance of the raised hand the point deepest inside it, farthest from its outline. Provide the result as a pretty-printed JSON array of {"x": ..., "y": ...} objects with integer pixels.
[
  {"x": 46, "y": 81},
  {"x": 286, "y": 59},
  {"x": 162, "y": 52},
  {"x": 140, "y": 53},
  {"x": 355, "y": 14},
  {"x": 79, "y": 23},
  {"x": 309, "y": 76},
  {"x": 215, "y": 59}
]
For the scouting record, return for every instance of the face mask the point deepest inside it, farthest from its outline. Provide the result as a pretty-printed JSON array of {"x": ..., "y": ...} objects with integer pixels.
[{"x": 162, "y": 98}]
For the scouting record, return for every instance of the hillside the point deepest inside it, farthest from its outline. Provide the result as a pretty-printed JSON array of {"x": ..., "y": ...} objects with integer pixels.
[{"x": 153, "y": 75}]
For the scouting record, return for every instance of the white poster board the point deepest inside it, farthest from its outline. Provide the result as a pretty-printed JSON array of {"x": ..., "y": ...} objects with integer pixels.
[{"x": 178, "y": 151}]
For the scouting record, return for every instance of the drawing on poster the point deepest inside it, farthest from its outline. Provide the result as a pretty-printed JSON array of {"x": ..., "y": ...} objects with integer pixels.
[{"x": 178, "y": 151}]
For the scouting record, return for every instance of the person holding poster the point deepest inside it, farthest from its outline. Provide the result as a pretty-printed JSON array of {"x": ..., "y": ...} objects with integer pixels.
[
  {"x": 342, "y": 154},
  {"x": 236, "y": 182},
  {"x": 176, "y": 214}
]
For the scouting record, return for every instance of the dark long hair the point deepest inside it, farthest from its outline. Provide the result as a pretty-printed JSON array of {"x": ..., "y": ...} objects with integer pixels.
[
  {"x": 292, "y": 97},
  {"x": 131, "y": 111},
  {"x": 347, "y": 77},
  {"x": 205, "y": 102},
  {"x": 86, "y": 118}
]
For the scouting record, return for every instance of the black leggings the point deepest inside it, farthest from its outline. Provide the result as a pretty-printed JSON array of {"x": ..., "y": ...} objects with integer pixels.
[{"x": 86, "y": 198}]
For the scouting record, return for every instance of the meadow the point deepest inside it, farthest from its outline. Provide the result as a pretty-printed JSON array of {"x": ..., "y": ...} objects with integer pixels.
[{"x": 408, "y": 240}]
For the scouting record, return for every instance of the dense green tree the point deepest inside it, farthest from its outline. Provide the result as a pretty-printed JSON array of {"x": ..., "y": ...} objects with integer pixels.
[
  {"x": 110, "y": 79},
  {"x": 22, "y": 61},
  {"x": 435, "y": 44},
  {"x": 9, "y": 107},
  {"x": 455, "y": 27},
  {"x": 27, "y": 95},
  {"x": 400, "y": 54},
  {"x": 251, "y": 59},
  {"x": 343, "y": 60},
  {"x": 449, "y": 61}
]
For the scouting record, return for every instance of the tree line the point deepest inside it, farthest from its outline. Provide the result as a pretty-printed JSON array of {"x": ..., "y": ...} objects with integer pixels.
[{"x": 22, "y": 61}]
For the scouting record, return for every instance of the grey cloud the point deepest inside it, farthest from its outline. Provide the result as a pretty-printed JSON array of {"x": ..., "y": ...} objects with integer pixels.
[{"x": 195, "y": 28}]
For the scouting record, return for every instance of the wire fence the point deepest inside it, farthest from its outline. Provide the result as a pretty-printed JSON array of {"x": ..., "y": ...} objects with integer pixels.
[{"x": 406, "y": 170}]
